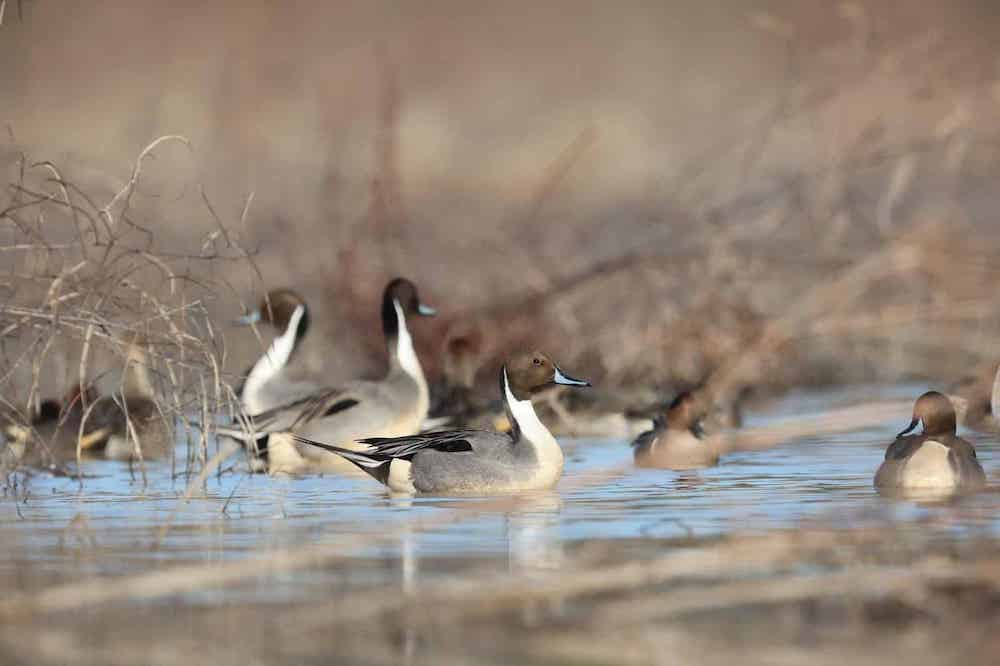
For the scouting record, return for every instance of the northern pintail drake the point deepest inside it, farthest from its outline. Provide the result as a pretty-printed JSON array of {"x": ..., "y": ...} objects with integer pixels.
[
  {"x": 474, "y": 461},
  {"x": 677, "y": 440},
  {"x": 935, "y": 460},
  {"x": 267, "y": 384},
  {"x": 393, "y": 406}
]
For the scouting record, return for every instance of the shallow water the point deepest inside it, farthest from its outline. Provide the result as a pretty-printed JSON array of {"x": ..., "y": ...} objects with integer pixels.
[{"x": 114, "y": 524}]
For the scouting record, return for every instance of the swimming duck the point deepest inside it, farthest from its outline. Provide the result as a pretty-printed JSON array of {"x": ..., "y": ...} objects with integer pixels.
[
  {"x": 935, "y": 460},
  {"x": 52, "y": 434},
  {"x": 393, "y": 406},
  {"x": 106, "y": 431},
  {"x": 473, "y": 461},
  {"x": 677, "y": 440},
  {"x": 266, "y": 385}
]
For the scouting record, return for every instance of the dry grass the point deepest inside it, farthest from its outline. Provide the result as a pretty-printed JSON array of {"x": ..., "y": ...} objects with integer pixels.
[
  {"x": 83, "y": 280},
  {"x": 836, "y": 225},
  {"x": 866, "y": 124}
]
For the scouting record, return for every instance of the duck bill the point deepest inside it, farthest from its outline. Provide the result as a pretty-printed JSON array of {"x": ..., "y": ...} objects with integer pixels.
[
  {"x": 565, "y": 380},
  {"x": 248, "y": 319},
  {"x": 426, "y": 310},
  {"x": 93, "y": 439},
  {"x": 910, "y": 428}
]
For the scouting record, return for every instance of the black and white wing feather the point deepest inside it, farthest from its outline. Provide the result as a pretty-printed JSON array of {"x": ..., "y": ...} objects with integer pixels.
[{"x": 381, "y": 451}]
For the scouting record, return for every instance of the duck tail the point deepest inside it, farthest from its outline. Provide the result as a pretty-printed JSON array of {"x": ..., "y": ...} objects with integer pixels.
[
  {"x": 375, "y": 466},
  {"x": 237, "y": 432}
]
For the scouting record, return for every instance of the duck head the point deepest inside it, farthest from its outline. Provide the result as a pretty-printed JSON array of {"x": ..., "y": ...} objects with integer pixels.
[
  {"x": 48, "y": 411},
  {"x": 461, "y": 359},
  {"x": 399, "y": 300},
  {"x": 683, "y": 414},
  {"x": 936, "y": 412},
  {"x": 526, "y": 374},
  {"x": 278, "y": 308}
]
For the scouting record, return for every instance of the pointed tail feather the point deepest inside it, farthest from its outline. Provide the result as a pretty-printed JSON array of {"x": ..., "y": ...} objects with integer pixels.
[
  {"x": 238, "y": 433},
  {"x": 375, "y": 466}
]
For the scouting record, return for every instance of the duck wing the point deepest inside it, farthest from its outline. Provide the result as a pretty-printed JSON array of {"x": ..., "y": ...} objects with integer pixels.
[
  {"x": 645, "y": 439},
  {"x": 903, "y": 446},
  {"x": 304, "y": 410},
  {"x": 384, "y": 449},
  {"x": 963, "y": 460},
  {"x": 377, "y": 459}
]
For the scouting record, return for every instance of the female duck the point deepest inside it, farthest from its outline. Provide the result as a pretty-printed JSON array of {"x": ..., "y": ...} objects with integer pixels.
[
  {"x": 676, "y": 440},
  {"x": 474, "y": 461},
  {"x": 937, "y": 459},
  {"x": 133, "y": 426},
  {"x": 393, "y": 406},
  {"x": 127, "y": 425},
  {"x": 51, "y": 436}
]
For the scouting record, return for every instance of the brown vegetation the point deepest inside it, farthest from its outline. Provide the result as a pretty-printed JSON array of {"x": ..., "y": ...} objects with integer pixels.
[{"x": 763, "y": 194}]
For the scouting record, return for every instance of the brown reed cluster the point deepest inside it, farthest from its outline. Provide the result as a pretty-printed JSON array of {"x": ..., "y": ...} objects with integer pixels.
[{"x": 83, "y": 280}]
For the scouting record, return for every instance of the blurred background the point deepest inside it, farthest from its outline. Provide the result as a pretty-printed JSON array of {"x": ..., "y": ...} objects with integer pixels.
[
  {"x": 645, "y": 187},
  {"x": 762, "y": 196}
]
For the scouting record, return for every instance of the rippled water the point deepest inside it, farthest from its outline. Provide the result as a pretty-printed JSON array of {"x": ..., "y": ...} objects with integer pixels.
[{"x": 114, "y": 524}]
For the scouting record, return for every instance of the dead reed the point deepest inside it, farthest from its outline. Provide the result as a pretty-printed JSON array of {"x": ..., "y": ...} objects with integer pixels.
[{"x": 84, "y": 279}]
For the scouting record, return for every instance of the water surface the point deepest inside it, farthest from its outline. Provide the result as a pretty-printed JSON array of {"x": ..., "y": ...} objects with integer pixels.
[{"x": 113, "y": 523}]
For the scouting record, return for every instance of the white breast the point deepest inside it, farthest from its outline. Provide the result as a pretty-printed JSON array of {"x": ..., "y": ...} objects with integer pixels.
[
  {"x": 536, "y": 435},
  {"x": 399, "y": 479},
  {"x": 928, "y": 467}
]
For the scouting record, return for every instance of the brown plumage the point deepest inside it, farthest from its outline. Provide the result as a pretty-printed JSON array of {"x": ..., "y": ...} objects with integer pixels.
[
  {"x": 676, "y": 440},
  {"x": 936, "y": 459}
]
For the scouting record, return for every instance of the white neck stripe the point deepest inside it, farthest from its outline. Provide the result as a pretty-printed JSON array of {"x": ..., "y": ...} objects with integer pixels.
[
  {"x": 406, "y": 355},
  {"x": 523, "y": 412},
  {"x": 271, "y": 363}
]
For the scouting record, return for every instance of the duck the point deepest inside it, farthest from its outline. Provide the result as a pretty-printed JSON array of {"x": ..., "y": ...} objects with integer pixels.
[
  {"x": 266, "y": 385},
  {"x": 977, "y": 399},
  {"x": 598, "y": 414},
  {"x": 395, "y": 405},
  {"x": 126, "y": 425},
  {"x": 50, "y": 437},
  {"x": 455, "y": 402},
  {"x": 130, "y": 422},
  {"x": 468, "y": 461},
  {"x": 935, "y": 460},
  {"x": 677, "y": 440}
]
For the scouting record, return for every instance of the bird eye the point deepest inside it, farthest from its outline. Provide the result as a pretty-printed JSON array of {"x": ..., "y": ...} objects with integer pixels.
[{"x": 537, "y": 361}]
